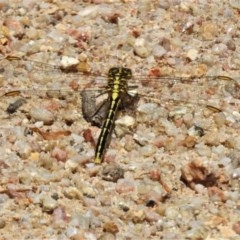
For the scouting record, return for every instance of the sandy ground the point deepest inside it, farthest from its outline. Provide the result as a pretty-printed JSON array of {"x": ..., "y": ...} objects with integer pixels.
[{"x": 162, "y": 178}]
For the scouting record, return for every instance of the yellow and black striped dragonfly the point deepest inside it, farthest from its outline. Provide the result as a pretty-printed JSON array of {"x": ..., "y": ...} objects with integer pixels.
[{"x": 45, "y": 95}]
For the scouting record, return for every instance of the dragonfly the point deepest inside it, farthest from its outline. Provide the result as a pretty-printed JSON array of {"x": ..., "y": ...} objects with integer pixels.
[{"x": 178, "y": 100}]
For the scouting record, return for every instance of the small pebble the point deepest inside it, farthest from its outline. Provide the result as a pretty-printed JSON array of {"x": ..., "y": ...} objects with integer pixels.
[
  {"x": 172, "y": 212},
  {"x": 152, "y": 216},
  {"x": 124, "y": 186},
  {"x": 110, "y": 227},
  {"x": 68, "y": 62},
  {"x": 148, "y": 150},
  {"x": 2, "y": 223},
  {"x": 112, "y": 172},
  {"x": 197, "y": 232},
  {"x": 159, "y": 51},
  {"x": 236, "y": 227},
  {"x": 209, "y": 31},
  {"x": 59, "y": 213},
  {"x": 138, "y": 216},
  {"x": 89, "y": 192},
  {"x": 235, "y": 4},
  {"x": 140, "y": 48},
  {"x": 71, "y": 165},
  {"x": 49, "y": 204},
  {"x": 78, "y": 220},
  {"x": 40, "y": 114},
  {"x": 71, "y": 231},
  {"x": 192, "y": 54},
  {"x": 73, "y": 193},
  {"x": 59, "y": 154}
]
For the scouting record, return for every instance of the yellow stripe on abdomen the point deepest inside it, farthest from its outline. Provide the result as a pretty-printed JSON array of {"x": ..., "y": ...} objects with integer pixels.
[{"x": 106, "y": 130}]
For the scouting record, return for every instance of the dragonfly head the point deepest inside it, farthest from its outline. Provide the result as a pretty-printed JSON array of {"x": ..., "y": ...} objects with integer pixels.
[{"x": 120, "y": 72}]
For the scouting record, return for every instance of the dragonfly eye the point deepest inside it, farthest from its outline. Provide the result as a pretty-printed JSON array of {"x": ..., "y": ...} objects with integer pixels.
[{"x": 127, "y": 73}]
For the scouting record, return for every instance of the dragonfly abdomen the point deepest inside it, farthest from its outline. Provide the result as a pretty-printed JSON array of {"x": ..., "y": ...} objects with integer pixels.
[
  {"x": 117, "y": 84},
  {"x": 106, "y": 130}
]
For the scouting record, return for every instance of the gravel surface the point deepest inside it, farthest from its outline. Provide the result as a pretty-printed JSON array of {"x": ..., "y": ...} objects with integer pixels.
[{"x": 163, "y": 177}]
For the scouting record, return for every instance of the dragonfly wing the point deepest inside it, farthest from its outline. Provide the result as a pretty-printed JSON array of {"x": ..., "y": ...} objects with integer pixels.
[{"x": 93, "y": 111}]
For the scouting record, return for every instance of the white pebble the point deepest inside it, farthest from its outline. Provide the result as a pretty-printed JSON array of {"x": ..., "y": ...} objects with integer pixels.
[
  {"x": 67, "y": 62},
  {"x": 71, "y": 231},
  {"x": 225, "y": 161},
  {"x": 235, "y": 3},
  {"x": 159, "y": 51},
  {"x": 126, "y": 121},
  {"x": 172, "y": 212},
  {"x": 49, "y": 203},
  {"x": 88, "y": 11},
  {"x": 236, "y": 173},
  {"x": 71, "y": 165},
  {"x": 41, "y": 114},
  {"x": 148, "y": 150},
  {"x": 89, "y": 236},
  {"x": 141, "y": 48},
  {"x": 192, "y": 54}
]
